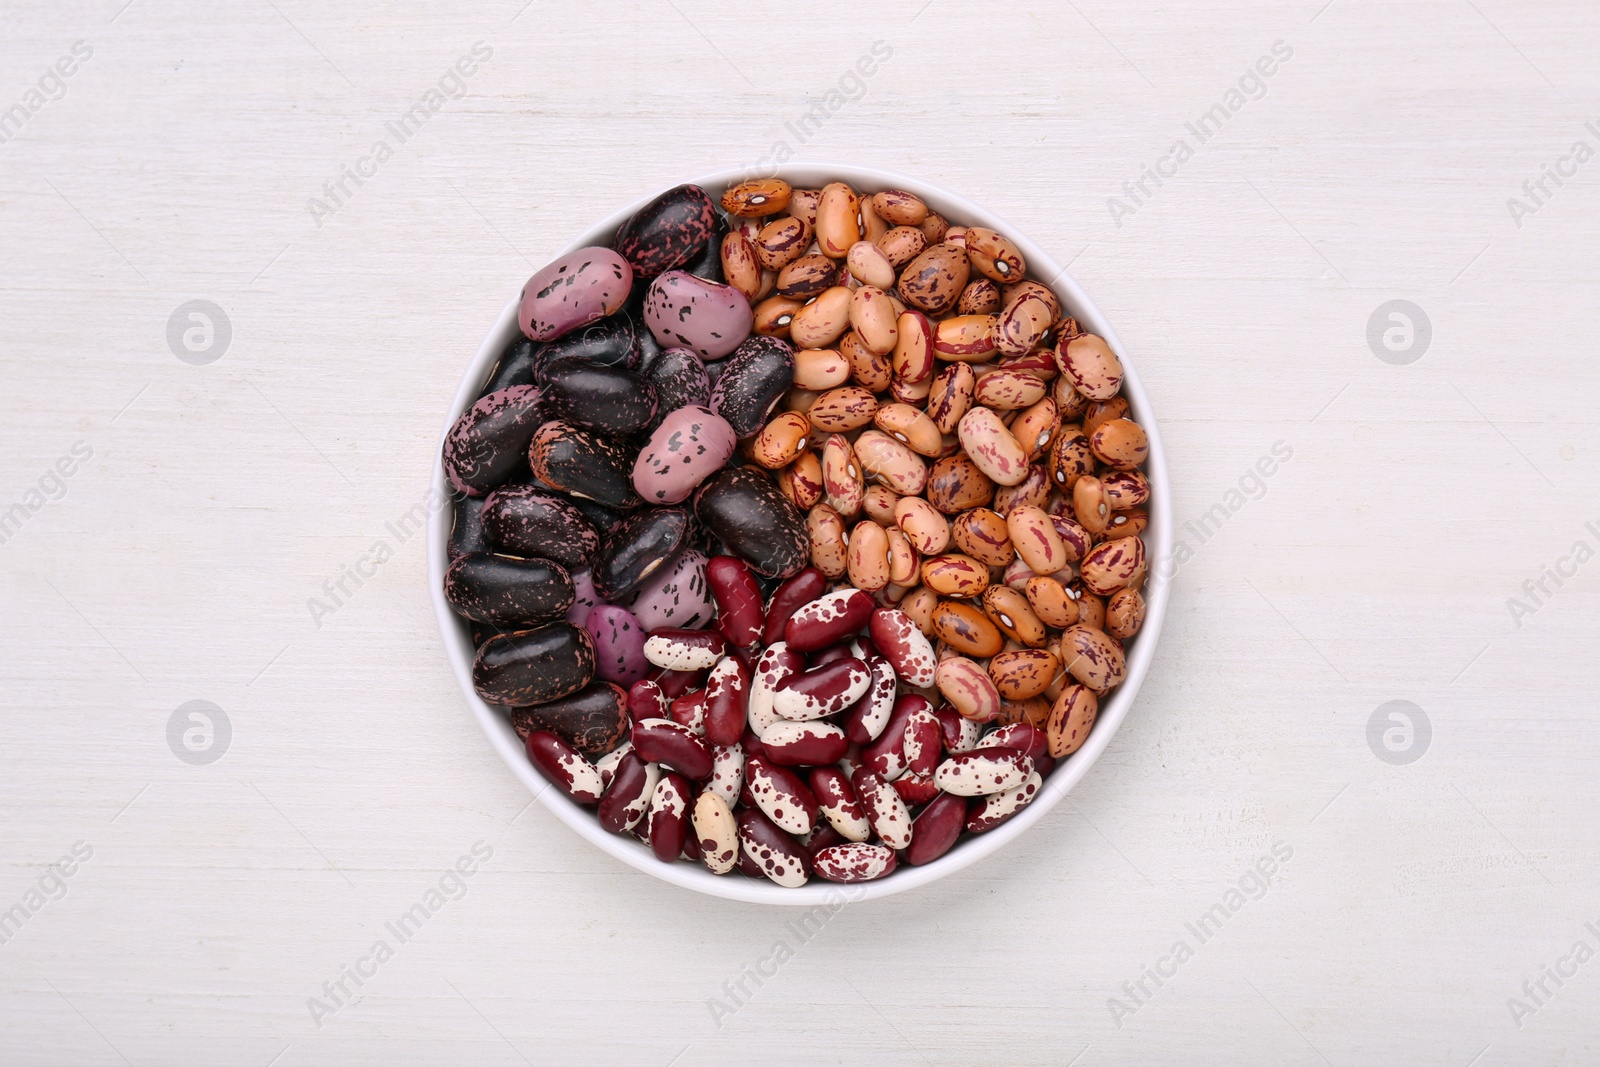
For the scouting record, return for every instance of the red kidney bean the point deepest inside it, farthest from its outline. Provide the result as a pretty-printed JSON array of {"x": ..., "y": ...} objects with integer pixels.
[
  {"x": 838, "y": 803},
  {"x": 936, "y": 829},
  {"x": 979, "y": 772},
  {"x": 887, "y": 813},
  {"x": 1023, "y": 737},
  {"x": 752, "y": 745},
  {"x": 669, "y": 817},
  {"x": 647, "y": 700},
  {"x": 865, "y": 722},
  {"x": 960, "y": 733},
  {"x": 570, "y": 772},
  {"x": 886, "y": 757},
  {"x": 837, "y": 651},
  {"x": 628, "y": 796},
  {"x": 821, "y": 691},
  {"x": 824, "y": 836},
  {"x": 789, "y": 597},
  {"x": 853, "y": 862},
  {"x": 689, "y": 711},
  {"x": 996, "y": 808},
  {"x": 673, "y": 746},
  {"x": 864, "y": 648},
  {"x": 829, "y": 618},
  {"x": 924, "y": 742},
  {"x": 804, "y": 744},
  {"x": 727, "y": 693},
  {"x": 739, "y": 609},
  {"x": 773, "y": 853},
  {"x": 727, "y": 773},
  {"x": 691, "y": 844},
  {"x": 781, "y": 794},
  {"x": 685, "y": 650},
  {"x": 776, "y": 664},
  {"x": 904, "y": 645},
  {"x": 915, "y": 789},
  {"x": 676, "y": 683},
  {"x": 747, "y": 863},
  {"x": 607, "y": 764}
]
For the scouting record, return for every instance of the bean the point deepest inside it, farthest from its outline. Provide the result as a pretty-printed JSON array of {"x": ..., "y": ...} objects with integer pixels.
[
  {"x": 717, "y": 832},
  {"x": 836, "y": 220},
  {"x": 867, "y": 557},
  {"x": 1009, "y": 390},
  {"x": 968, "y": 688},
  {"x": 829, "y": 547},
  {"x": 966, "y": 629},
  {"x": 842, "y": 479},
  {"x": 1023, "y": 674},
  {"x": 757, "y": 197},
  {"x": 1050, "y": 602},
  {"x": 1090, "y": 505},
  {"x": 926, "y": 529},
  {"x": 891, "y": 462},
  {"x": 821, "y": 322},
  {"x": 782, "y": 440},
  {"x": 955, "y": 575},
  {"x": 1110, "y": 566},
  {"x": 869, "y": 265},
  {"x": 1036, "y": 540},
  {"x": 957, "y": 483},
  {"x": 820, "y": 368},
  {"x": 1092, "y": 657},
  {"x": 910, "y": 427},
  {"x": 965, "y": 339},
  {"x": 1120, "y": 443},
  {"x": 877, "y": 503},
  {"x": 1012, "y": 613},
  {"x": 901, "y": 245},
  {"x": 570, "y": 772},
  {"x": 1124, "y": 613},
  {"x": 782, "y": 241},
  {"x": 980, "y": 297},
  {"x": 841, "y": 410},
  {"x": 807, "y": 277},
  {"x": 801, "y": 481},
  {"x": 933, "y": 281},
  {"x": 771, "y": 851},
  {"x": 991, "y": 447},
  {"x": 873, "y": 318},
  {"x": 1089, "y": 364}
]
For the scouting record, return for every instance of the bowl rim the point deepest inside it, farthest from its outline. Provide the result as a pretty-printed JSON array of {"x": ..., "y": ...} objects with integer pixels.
[{"x": 1141, "y": 649}]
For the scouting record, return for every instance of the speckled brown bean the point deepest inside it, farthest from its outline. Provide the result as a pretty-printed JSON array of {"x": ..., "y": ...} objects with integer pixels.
[
  {"x": 841, "y": 410},
  {"x": 1089, "y": 504},
  {"x": 934, "y": 227},
  {"x": 933, "y": 281},
  {"x": 842, "y": 482},
  {"x": 891, "y": 463},
  {"x": 872, "y": 226},
  {"x": 1011, "y": 612},
  {"x": 1032, "y": 491},
  {"x": 1129, "y": 523},
  {"x": 836, "y": 220},
  {"x": 1120, "y": 443},
  {"x": 914, "y": 393},
  {"x": 781, "y": 440},
  {"x": 919, "y": 605},
  {"x": 968, "y": 688},
  {"x": 911, "y": 428},
  {"x": 955, "y": 575},
  {"x": 950, "y": 397},
  {"x": 807, "y": 276},
  {"x": 878, "y": 504},
  {"x": 1036, "y": 539},
  {"x": 1100, "y": 412},
  {"x": 991, "y": 447},
  {"x": 825, "y": 529},
  {"x": 773, "y": 316},
  {"x": 1024, "y": 674},
  {"x": 1070, "y": 720},
  {"x": 993, "y": 256},
  {"x": 1075, "y": 537},
  {"x": 955, "y": 484},
  {"x": 821, "y": 322},
  {"x": 912, "y": 359},
  {"x": 1036, "y": 427},
  {"x": 803, "y": 205},
  {"x": 740, "y": 265},
  {"x": 1093, "y": 658},
  {"x": 1070, "y": 458},
  {"x": 1124, "y": 613},
  {"x": 928, "y": 531},
  {"x": 1071, "y": 402},
  {"x": 901, "y": 245},
  {"x": 1126, "y": 489},
  {"x": 904, "y": 560},
  {"x": 873, "y": 318},
  {"x": 868, "y": 369},
  {"x": 1090, "y": 365},
  {"x": 1050, "y": 602},
  {"x": 1022, "y": 324},
  {"x": 983, "y": 535},
  {"x": 782, "y": 241},
  {"x": 1112, "y": 565},
  {"x": 868, "y": 556},
  {"x": 801, "y": 481},
  {"x": 965, "y": 339},
  {"x": 1009, "y": 390},
  {"x": 820, "y": 368},
  {"x": 869, "y": 265},
  {"x": 980, "y": 297},
  {"x": 757, "y": 197},
  {"x": 1009, "y": 294},
  {"x": 966, "y": 629},
  {"x": 899, "y": 207},
  {"x": 1091, "y": 609}
]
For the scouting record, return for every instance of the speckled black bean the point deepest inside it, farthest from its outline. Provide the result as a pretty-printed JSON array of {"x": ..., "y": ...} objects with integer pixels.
[
  {"x": 584, "y": 463},
  {"x": 515, "y": 366},
  {"x": 508, "y": 590},
  {"x": 591, "y": 720},
  {"x": 680, "y": 380},
  {"x": 668, "y": 231},
  {"x": 611, "y": 400},
  {"x": 639, "y": 545},
  {"x": 608, "y": 343},
  {"x": 534, "y": 666},
  {"x": 466, "y": 532},
  {"x": 755, "y": 378},
  {"x": 649, "y": 348},
  {"x": 489, "y": 442},
  {"x": 707, "y": 263},
  {"x": 525, "y": 520},
  {"x": 743, "y": 509}
]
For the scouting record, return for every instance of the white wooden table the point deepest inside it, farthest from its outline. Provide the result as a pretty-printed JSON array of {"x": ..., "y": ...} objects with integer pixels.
[{"x": 207, "y": 502}]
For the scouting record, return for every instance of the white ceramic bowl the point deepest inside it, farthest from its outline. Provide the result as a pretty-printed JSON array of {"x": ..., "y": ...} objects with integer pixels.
[{"x": 1141, "y": 650}]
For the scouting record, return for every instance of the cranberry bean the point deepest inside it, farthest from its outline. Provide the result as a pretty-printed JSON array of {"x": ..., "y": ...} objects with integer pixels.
[
  {"x": 983, "y": 771},
  {"x": 821, "y": 691},
  {"x": 893, "y": 464},
  {"x": 827, "y": 619},
  {"x": 821, "y": 322},
  {"x": 928, "y": 531},
  {"x": 801, "y": 481},
  {"x": 992, "y": 810},
  {"x": 887, "y": 813},
  {"x": 855, "y": 862},
  {"x": 685, "y": 650},
  {"x": 1071, "y": 719},
  {"x": 869, "y": 265},
  {"x": 1050, "y": 602},
  {"x": 727, "y": 772},
  {"x": 955, "y": 575},
  {"x": 936, "y": 828},
  {"x": 741, "y": 266},
  {"x": 674, "y": 746},
  {"x": 836, "y": 220},
  {"x": 772, "y": 852},
  {"x": 866, "y": 721},
  {"x": 628, "y": 796},
  {"x": 1009, "y": 390},
  {"x": 867, "y": 556},
  {"x": 901, "y": 245},
  {"x": 717, "y": 832},
  {"x": 1023, "y": 737},
  {"x": 780, "y": 794},
  {"x": 669, "y": 817},
  {"x": 838, "y": 803},
  {"x": 570, "y": 772},
  {"x": 923, "y": 741},
  {"x": 932, "y": 282},
  {"x": 757, "y": 197},
  {"x": 802, "y": 589},
  {"x": 915, "y": 789},
  {"x": 965, "y": 339},
  {"x": 904, "y": 646},
  {"x": 804, "y": 744},
  {"x": 886, "y": 756}
]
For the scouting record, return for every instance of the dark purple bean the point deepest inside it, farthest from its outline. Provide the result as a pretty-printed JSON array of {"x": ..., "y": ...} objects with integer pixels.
[
  {"x": 743, "y": 509},
  {"x": 584, "y": 463},
  {"x": 755, "y": 378},
  {"x": 525, "y": 520},
  {"x": 534, "y": 666},
  {"x": 466, "y": 532},
  {"x": 606, "y": 399},
  {"x": 489, "y": 442},
  {"x": 637, "y": 548},
  {"x": 592, "y": 720},
  {"x": 508, "y": 591},
  {"x": 607, "y": 343},
  {"x": 668, "y": 231},
  {"x": 515, "y": 366}
]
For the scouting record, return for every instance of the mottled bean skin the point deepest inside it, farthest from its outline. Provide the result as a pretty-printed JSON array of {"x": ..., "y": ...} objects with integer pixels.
[
  {"x": 524, "y": 520},
  {"x": 668, "y": 231},
  {"x": 574, "y": 290},
  {"x": 688, "y": 312},
  {"x": 690, "y": 445},
  {"x": 489, "y": 442},
  {"x": 744, "y": 510}
]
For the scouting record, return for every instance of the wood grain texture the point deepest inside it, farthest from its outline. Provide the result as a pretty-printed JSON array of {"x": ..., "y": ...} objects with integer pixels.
[{"x": 1376, "y": 565}]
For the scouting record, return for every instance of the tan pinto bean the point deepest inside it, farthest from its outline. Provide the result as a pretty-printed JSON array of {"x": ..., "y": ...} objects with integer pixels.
[
  {"x": 912, "y": 360},
  {"x": 1126, "y": 489},
  {"x": 878, "y": 502},
  {"x": 1009, "y": 390},
  {"x": 994, "y": 256},
  {"x": 1050, "y": 601},
  {"x": 1124, "y": 613},
  {"x": 1040, "y": 363},
  {"x": 910, "y": 427},
  {"x": 782, "y": 440},
  {"x": 1071, "y": 402},
  {"x": 757, "y": 197},
  {"x": 869, "y": 265},
  {"x": 872, "y": 224},
  {"x": 904, "y": 561},
  {"x": 1037, "y": 541},
  {"x": 955, "y": 483},
  {"x": 899, "y": 207},
  {"x": 1010, "y": 294},
  {"x": 992, "y": 448},
  {"x": 741, "y": 266},
  {"x": 1022, "y": 324},
  {"x": 968, "y": 688},
  {"x": 1074, "y": 536},
  {"x": 782, "y": 241},
  {"x": 919, "y": 605},
  {"x": 870, "y": 370},
  {"x": 803, "y": 205},
  {"x": 927, "y": 530},
  {"x": 1032, "y": 491},
  {"x": 801, "y": 481},
  {"x": 901, "y": 245},
  {"x": 836, "y": 220},
  {"x": 1089, "y": 504},
  {"x": 774, "y": 315},
  {"x": 933, "y": 281},
  {"x": 1070, "y": 720},
  {"x": 841, "y": 477},
  {"x": 1035, "y": 428},
  {"x": 951, "y": 396},
  {"x": 891, "y": 462},
  {"x": 934, "y": 227},
  {"x": 965, "y": 339},
  {"x": 1112, "y": 565},
  {"x": 980, "y": 297},
  {"x": 821, "y": 322},
  {"x": 955, "y": 575},
  {"x": 868, "y": 556},
  {"x": 873, "y": 319},
  {"x": 841, "y": 410},
  {"x": 966, "y": 629},
  {"x": 1130, "y": 523},
  {"x": 905, "y": 392},
  {"x": 1010, "y": 611},
  {"x": 825, "y": 530},
  {"x": 807, "y": 276},
  {"x": 1100, "y": 412},
  {"x": 1024, "y": 674},
  {"x": 1120, "y": 443},
  {"x": 983, "y": 535},
  {"x": 1093, "y": 657},
  {"x": 820, "y": 368},
  {"x": 1090, "y": 365},
  {"x": 1070, "y": 459}
]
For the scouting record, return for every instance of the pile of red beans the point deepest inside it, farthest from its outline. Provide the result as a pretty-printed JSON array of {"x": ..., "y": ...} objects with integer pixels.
[{"x": 800, "y": 537}]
